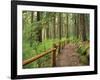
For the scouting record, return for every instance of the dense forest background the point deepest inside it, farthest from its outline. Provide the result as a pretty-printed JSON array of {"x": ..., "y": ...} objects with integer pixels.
[{"x": 42, "y": 29}]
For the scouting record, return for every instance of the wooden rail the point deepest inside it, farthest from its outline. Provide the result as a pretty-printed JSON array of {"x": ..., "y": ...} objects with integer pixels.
[
  {"x": 38, "y": 56},
  {"x": 53, "y": 50}
]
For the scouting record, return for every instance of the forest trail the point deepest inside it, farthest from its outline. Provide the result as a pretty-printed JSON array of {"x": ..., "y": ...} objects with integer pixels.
[{"x": 68, "y": 56}]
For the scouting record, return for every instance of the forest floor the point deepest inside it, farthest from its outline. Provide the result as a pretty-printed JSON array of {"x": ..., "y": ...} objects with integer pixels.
[{"x": 68, "y": 56}]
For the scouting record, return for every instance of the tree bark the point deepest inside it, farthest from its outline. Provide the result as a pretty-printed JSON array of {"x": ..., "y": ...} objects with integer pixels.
[
  {"x": 82, "y": 22},
  {"x": 60, "y": 36},
  {"x": 31, "y": 29},
  {"x": 39, "y": 37}
]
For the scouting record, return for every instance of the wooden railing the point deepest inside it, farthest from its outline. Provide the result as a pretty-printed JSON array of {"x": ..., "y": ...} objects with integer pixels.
[{"x": 53, "y": 50}]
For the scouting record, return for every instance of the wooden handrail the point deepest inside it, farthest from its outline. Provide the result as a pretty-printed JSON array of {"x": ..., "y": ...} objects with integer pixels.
[
  {"x": 55, "y": 46},
  {"x": 37, "y": 57}
]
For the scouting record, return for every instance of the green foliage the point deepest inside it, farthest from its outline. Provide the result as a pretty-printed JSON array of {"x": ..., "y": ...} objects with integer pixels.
[
  {"x": 63, "y": 39},
  {"x": 28, "y": 52},
  {"x": 43, "y": 46},
  {"x": 73, "y": 40},
  {"x": 37, "y": 48},
  {"x": 84, "y": 60},
  {"x": 83, "y": 49}
]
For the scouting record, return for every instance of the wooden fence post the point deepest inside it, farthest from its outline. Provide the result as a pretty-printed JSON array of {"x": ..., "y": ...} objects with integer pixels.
[{"x": 54, "y": 56}]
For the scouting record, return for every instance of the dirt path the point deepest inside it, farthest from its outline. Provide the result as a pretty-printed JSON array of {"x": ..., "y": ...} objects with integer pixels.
[{"x": 68, "y": 56}]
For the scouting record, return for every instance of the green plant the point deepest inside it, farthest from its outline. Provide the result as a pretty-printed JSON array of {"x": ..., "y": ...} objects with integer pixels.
[
  {"x": 28, "y": 52},
  {"x": 84, "y": 60},
  {"x": 83, "y": 49}
]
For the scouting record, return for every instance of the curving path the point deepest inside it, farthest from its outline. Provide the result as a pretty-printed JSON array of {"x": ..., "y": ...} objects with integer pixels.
[{"x": 68, "y": 56}]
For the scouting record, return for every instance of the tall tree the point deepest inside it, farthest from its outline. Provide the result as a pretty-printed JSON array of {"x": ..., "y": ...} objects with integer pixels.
[
  {"x": 60, "y": 29},
  {"x": 53, "y": 19},
  {"x": 82, "y": 22},
  {"x": 31, "y": 37},
  {"x": 77, "y": 26},
  {"x": 39, "y": 33},
  {"x": 67, "y": 25},
  {"x": 87, "y": 24},
  {"x": 48, "y": 21}
]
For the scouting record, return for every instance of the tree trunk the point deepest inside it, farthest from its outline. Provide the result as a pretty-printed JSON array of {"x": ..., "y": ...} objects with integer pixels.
[
  {"x": 54, "y": 26},
  {"x": 39, "y": 34},
  {"x": 31, "y": 29},
  {"x": 77, "y": 26},
  {"x": 82, "y": 22},
  {"x": 67, "y": 25},
  {"x": 60, "y": 36}
]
